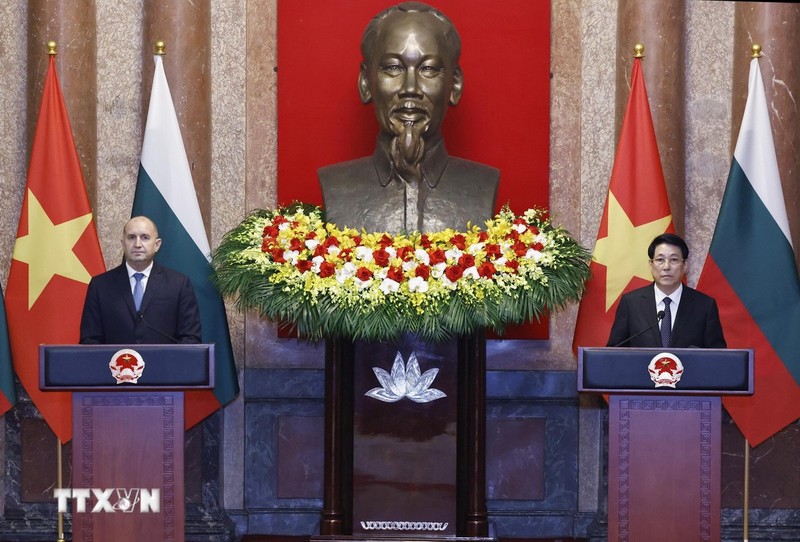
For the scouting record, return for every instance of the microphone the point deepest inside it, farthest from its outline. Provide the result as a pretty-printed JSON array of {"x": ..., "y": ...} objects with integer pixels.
[
  {"x": 140, "y": 317},
  {"x": 659, "y": 317}
]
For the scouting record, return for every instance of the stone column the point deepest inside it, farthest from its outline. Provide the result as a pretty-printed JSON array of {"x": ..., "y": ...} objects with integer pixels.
[
  {"x": 774, "y": 28},
  {"x": 72, "y": 26},
  {"x": 185, "y": 28},
  {"x": 660, "y": 26}
]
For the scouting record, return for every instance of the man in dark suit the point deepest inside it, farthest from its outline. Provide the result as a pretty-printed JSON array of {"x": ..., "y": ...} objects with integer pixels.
[
  {"x": 140, "y": 301},
  {"x": 667, "y": 313},
  {"x": 410, "y": 70}
]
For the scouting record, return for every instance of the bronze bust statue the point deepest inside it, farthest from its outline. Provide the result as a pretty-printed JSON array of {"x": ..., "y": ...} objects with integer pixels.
[{"x": 409, "y": 69}]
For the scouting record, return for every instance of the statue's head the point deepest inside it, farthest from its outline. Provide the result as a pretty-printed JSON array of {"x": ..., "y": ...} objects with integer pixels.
[{"x": 410, "y": 69}]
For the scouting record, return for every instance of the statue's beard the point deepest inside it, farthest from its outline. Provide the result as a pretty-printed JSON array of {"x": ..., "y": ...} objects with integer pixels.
[{"x": 407, "y": 149}]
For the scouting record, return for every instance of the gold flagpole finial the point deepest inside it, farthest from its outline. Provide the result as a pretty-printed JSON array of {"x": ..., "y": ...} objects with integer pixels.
[
  {"x": 638, "y": 51},
  {"x": 756, "y": 51},
  {"x": 51, "y": 48},
  {"x": 161, "y": 48}
]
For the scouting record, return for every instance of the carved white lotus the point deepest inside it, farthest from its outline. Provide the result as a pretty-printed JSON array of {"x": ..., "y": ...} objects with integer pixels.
[{"x": 405, "y": 380}]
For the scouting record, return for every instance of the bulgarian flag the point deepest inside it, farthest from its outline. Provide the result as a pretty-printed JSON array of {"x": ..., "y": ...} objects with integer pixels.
[
  {"x": 636, "y": 211},
  {"x": 55, "y": 255},
  {"x": 165, "y": 193},
  {"x": 751, "y": 272},
  {"x": 8, "y": 393}
]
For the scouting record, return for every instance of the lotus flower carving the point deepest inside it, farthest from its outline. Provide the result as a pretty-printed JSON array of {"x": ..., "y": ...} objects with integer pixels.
[{"x": 405, "y": 380}]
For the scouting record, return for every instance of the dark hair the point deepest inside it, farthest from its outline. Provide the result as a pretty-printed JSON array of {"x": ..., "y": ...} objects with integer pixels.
[
  {"x": 669, "y": 239},
  {"x": 373, "y": 30}
]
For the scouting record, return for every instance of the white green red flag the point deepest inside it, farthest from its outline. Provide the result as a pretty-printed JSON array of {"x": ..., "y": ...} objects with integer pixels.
[
  {"x": 165, "y": 193},
  {"x": 751, "y": 271}
]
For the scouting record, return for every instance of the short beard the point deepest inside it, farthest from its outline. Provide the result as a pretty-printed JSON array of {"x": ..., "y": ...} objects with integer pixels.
[{"x": 407, "y": 151}]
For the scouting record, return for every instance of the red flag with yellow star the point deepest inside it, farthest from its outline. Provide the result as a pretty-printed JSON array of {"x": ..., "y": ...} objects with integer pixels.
[
  {"x": 55, "y": 255},
  {"x": 636, "y": 211}
]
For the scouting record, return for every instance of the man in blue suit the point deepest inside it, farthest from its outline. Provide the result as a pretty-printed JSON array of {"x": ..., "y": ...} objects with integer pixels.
[
  {"x": 667, "y": 313},
  {"x": 140, "y": 301}
]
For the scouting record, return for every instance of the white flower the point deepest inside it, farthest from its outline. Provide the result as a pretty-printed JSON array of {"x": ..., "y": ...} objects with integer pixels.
[
  {"x": 534, "y": 255},
  {"x": 437, "y": 271},
  {"x": 345, "y": 272},
  {"x": 422, "y": 256},
  {"x": 362, "y": 284},
  {"x": 333, "y": 250},
  {"x": 316, "y": 261},
  {"x": 471, "y": 272},
  {"x": 418, "y": 284},
  {"x": 475, "y": 249},
  {"x": 409, "y": 265},
  {"x": 291, "y": 256},
  {"x": 389, "y": 286},
  {"x": 521, "y": 228},
  {"x": 453, "y": 254},
  {"x": 311, "y": 244},
  {"x": 363, "y": 253}
]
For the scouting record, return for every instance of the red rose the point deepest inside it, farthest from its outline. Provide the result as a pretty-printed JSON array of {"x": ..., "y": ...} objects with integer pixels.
[
  {"x": 493, "y": 251},
  {"x": 326, "y": 269},
  {"x": 466, "y": 261},
  {"x": 486, "y": 269},
  {"x": 425, "y": 241},
  {"x": 483, "y": 236},
  {"x": 280, "y": 219},
  {"x": 533, "y": 229},
  {"x": 277, "y": 255},
  {"x": 520, "y": 248},
  {"x": 453, "y": 273},
  {"x": 381, "y": 257},
  {"x": 386, "y": 241},
  {"x": 357, "y": 240},
  {"x": 363, "y": 274},
  {"x": 513, "y": 265},
  {"x": 330, "y": 242},
  {"x": 537, "y": 246},
  {"x": 271, "y": 231},
  {"x": 422, "y": 271},
  {"x": 311, "y": 235},
  {"x": 304, "y": 265},
  {"x": 320, "y": 251},
  {"x": 295, "y": 244},
  {"x": 405, "y": 253},
  {"x": 459, "y": 241},
  {"x": 437, "y": 256},
  {"x": 396, "y": 274},
  {"x": 346, "y": 255},
  {"x": 266, "y": 244}
]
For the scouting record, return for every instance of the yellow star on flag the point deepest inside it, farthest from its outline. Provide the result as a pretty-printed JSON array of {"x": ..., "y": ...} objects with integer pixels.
[
  {"x": 47, "y": 249},
  {"x": 624, "y": 250}
]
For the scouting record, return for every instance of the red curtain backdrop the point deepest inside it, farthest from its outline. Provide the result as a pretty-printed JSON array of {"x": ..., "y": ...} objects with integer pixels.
[{"x": 503, "y": 118}]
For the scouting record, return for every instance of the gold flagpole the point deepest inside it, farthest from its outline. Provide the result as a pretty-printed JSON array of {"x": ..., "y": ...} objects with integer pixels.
[
  {"x": 60, "y": 486},
  {"x": 746, "y": 496}
]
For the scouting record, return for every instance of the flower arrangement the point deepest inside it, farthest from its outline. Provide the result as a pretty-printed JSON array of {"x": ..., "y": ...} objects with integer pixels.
[{"x": 294, "y": 268}]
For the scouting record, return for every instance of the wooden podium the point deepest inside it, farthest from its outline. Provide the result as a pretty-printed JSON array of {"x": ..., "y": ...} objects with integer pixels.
[
  {"x": 404, "y": 469},
  {"x": 128, "y": 437},
  {"x": 664, "y": 447}
]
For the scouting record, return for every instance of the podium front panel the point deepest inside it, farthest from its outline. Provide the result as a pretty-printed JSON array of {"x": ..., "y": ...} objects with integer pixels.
[
  {"x": 405, "y": 451},
  {"x": 664, "y": 468},
  {"x": 129, "y": 440}
]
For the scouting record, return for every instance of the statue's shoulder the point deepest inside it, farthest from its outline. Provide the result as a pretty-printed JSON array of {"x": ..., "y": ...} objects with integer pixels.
[
  {"x": 351, "y": 172},
  {"x": 468, "y": 175}
]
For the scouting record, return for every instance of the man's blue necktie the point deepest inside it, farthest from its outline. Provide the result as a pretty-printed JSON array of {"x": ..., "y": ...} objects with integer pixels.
[
  {"x": 666, "y": 323},
  {"x": 138, "y": 290}
]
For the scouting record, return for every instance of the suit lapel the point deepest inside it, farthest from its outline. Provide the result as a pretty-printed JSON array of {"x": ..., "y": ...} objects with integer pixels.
[
  {"x": 124, "y": 286},
  {"x": 646, "y": 311},
  {"x": 154, "y": 282}
]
